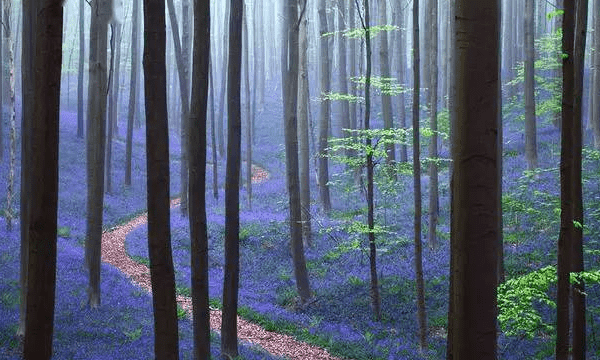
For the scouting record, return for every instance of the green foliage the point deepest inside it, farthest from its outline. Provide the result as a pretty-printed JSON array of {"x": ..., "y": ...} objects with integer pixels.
[
  {"x": 181, "y": 314},
  {"x": 360, "y": 33},
  {"x": 385, "y": 85},
  {"x": 140, "y": 259},
  {"x": 184, "y": 291},
  {"x": 64, "y": 231},
  {"x": 333, "y": 96},
  {"x": 516, "y": 297},
  {"x": 355, "y": 280},
  {"x": 133, "y": 335}
]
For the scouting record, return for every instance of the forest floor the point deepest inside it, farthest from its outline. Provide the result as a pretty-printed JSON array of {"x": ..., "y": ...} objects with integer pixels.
[{"x": 340, "y": 318}]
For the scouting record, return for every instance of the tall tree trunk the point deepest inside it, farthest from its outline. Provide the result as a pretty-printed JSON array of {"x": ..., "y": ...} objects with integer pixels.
[
  {"x": 44, "y": 195},
  {"x": 578, "y": 295},
  {"x": 27, "y": 88},
  {"x": 232, "y": 180},
  {"x": 417, "y": 183},
  {"x": 343, "y": 77},
  {"x": 80, "y": 115},
  {"x": 7, "y": 6},
  {"x": 352, "y": 58},
  {"x": 323, "y": 170},
  {"x": 184, "y": 90},
  {"x": 595, "y": 95},
  {"x": 475, "y": 200},
  {"x": 162, "y": 275},
  {"x": 557, "y": 24},
  {"x": 566, "y": 235},
  {"x": 530, "y": 126},
  {"x": 303, "y": 113},
  {"x": 386, "y": 100},
  {"x": 213, "y": 138},
  {"x": 400, "y": 45},
  {"x": 96, "y": 136},
  {"x": 113, "y": 99},
  {"x": 224, "y": 73},
  {"x": 133, "y": 90},
  {"x": 433, "y": 103},
  {"x": 197, "y": 183},
  {"x": 249, "y": 113},
  {"x": 291, "y": 147}
]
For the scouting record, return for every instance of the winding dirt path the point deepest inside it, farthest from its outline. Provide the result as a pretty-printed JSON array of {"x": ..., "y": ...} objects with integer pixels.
[{"x": 113, "y": 252}]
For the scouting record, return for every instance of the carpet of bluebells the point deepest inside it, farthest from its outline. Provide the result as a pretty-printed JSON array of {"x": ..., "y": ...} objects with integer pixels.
[{"x": 340, "y": 317}]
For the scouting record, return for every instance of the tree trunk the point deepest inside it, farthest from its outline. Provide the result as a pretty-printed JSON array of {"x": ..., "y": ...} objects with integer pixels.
[
  {"x": 184, "y": 91},
  {"x": 197, "y": 181},
  {"x": 96, "y": 137},
  {"x": 113, "y": 99},
  {"x": 323, "y": 171},
  {"x": 352, "y": 58},
  {"x": 291, "y": 148},
  {"x": 529, "y": 95},
  {"x": 213, "y": 138},
  {"x": 80, "y": 115},
  {"x": 595, "y": 108},
  {"x": 133, "y": 90},
  {"x": 433, "y": 103},
  {"x": 400, "y": 45},
  {"x": 249, "y": 113},
  {"x": 566, "y": 235},
  {"x": 28, "y": 88},
  {"x": 386, "y": 100},
  {"x": 44, "y": 195},
  {"x": 343, "y": 77},
  {"x": 303, "y": 111},
  {"x": 7, "y": 6},
  {"x": 475, "y": 200},
  {"x": 162, "y": 275},
  {"x": 417, "y": 183},
  {"x": 578, "y": 295},
  {"x": 232, "y": 180},
  {"x": 224, "y": 73}
]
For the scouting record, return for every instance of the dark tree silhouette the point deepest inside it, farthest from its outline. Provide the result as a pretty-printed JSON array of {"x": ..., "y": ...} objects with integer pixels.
[
  {"x": 80, "y": 115},
  {"x": 133, "y": 90},
  {"x": 323, "y": 165},
  {"x": 157, "y": 159},
  {"x": 197, "y": 180},
  {"x": 529, "y": 90},
  {"x": 475, "y": 185},
  {"x": 232, "y": 180},
  {"x": 44, "y": 190}
]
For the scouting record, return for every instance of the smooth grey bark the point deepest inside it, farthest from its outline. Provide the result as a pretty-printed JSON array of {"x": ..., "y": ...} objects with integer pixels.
[
  {"x": 384, "y": 64},
  {"x": 420, "y": 284},
  {"x": 529, "y": 91},
  {"x": 113, "y": 99},
  {"x": 224, "y": 73},
  {"x": 249, "y": 114},
  {"x": 44, "y": 190},
  {"x": 96, "y": 140},
  {"x": 232, "y": 179},
  {"x": 213, "y": 137},
  {"x": 184, "y": 90},
  {"x": 197, "y": 180},
  {"x": 27, "y": 88},
  {"x": 162, "y": 275},
  {"x": 433, "y": 104},
  {"x": 566, "y": 234},
  {"x": 343, "y": 77},
  {"x": 80, "y": 115},
  {"x": 595, "y": 95},
  {"x": 290, "y": 70},
  {"x": 578, "y": 296},
  {"x": 401, "y": 71},
  {"x": 352, "y": 65},
  {"x": 303, "y": 137},
  {"x": 9, "y": 211},
  {"x": 133, "y": 89},
  {"x": 325, "y": 115},
  {"x": 475, "y": 202}
]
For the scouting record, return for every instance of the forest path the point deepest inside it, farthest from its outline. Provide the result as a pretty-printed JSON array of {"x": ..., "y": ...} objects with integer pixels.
[{"x": 113, "y": 252}]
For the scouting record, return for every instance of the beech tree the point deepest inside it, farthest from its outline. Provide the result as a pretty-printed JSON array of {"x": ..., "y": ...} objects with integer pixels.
[
  {"x": 433, "y": 114},
  {"x": 475, "y": 199},
  {"x": 197, "y": 180},
  {"x": 384, "y": 64},
  {"x": 232, "y": 180},
  {"x": 133, "y": 89},
  {"x": 96, "y": 136},
  {"x": 529, "y": 95},
  {"x": 162, "y": 274},
  {"x": 80, "y": 115},
  {"x": 323, "y": 166},
  {"x": 42, "y": 222}
]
